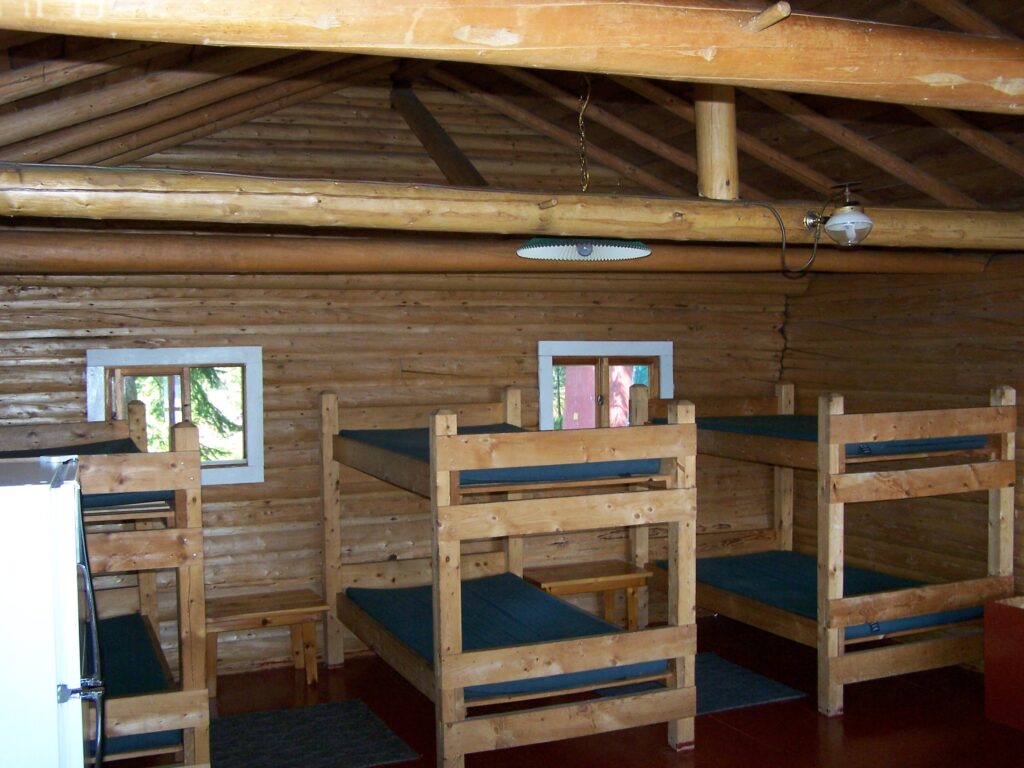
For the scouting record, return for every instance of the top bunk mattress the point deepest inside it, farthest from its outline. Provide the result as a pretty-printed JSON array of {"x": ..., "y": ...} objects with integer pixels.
[
  {"x": 788, "y": 580},
  {"x": 498, "y": 611},
  {"x": 414, "y": 443},
  {"x": 96, "y": 501},
  {"x": 805, "y": 428}
]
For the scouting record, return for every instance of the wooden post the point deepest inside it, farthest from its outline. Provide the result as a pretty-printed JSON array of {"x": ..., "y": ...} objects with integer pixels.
[
  {"x": 783, "y": 477},
  {"x": 137, "y": 424},
  {"x": 682, "y": 579},
  {"x": 831, "y": 461},
  {"x": 717, "y": 158},
  {"x": 330, "y": 497},
  {"x": 1000, "y": 500},
  {"x": 449, "y": 704},
  {"x": 515, "y": 546}
]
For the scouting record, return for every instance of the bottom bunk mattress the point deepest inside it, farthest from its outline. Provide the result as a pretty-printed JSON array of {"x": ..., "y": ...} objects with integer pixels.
[
  {"x": 499, "y": 611},
  {"x": 788, "y": 581}
]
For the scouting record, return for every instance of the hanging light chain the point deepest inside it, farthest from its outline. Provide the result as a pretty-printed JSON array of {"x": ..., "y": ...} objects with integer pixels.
[{"x": 584, "y": 171}]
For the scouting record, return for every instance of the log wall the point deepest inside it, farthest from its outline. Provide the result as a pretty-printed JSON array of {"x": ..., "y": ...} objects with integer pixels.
[
  {"x": 915, "y": 342},
  {"x": 384, "y": 339}
]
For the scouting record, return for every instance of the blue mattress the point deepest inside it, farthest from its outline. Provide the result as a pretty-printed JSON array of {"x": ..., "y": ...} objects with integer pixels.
[
  {"x": 415, "y": 443},
  {"x": 132, "y": 666},
  {"x": 805, "y": 427},
  {"x": 788, "y": 580},
  {"x": 98, "y": 500},
  {"x": 498, "y": 611}
]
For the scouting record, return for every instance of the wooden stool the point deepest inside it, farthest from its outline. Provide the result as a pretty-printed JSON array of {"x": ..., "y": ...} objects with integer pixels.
[
  {"x": 605, "y": 576},
  {"x": 297, "y": 609}
]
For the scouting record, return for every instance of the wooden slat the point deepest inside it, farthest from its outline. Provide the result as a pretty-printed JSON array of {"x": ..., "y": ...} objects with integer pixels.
[
  {"x": 917, "y": 601},
  {"x": 566, "y": 656},
  {"x": 916, "y": 483},
  {"x": 575, "y": 513},
  {"x": 479, "y": 734},
  {"x": 144, "y": 550},
  {"x": 120, "y": 473},
  {"x": 913, "y": 425},
  {"x": 132, "y": 715},
  {"x": 403, "y": 471},
  {"x": 799, "y": 454},
  {"x": 901, "y": 659}
]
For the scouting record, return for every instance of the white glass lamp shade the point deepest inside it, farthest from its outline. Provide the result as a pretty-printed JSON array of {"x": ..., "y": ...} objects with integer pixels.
[
  {"x": 582, "y": 249},
  {"x": 849, "y": 225}
]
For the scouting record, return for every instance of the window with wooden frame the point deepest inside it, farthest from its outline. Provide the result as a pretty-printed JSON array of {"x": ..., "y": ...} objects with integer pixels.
[
  {"x": 219, "y": 389},
  {"x": 586, "y": 384}
]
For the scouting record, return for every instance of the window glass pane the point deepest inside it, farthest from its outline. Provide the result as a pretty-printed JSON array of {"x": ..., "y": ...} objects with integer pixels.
[
  {"x": 575, "y": 390},
  {"x": 216, "y": 399},
  {"x": 620, "y": 379}
]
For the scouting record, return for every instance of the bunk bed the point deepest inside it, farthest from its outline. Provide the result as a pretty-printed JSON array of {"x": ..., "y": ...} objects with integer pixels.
[
  {"x": 142, "y": 513},
  {"x": 864, "y": 624},
  {"x": 493, "y": 638}
]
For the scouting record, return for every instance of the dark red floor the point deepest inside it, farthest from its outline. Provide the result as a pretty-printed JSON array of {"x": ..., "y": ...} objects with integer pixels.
[{"x": 925, "y": 719}]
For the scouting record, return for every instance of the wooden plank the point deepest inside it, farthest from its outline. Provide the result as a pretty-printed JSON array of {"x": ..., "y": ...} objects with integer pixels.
[
  {"x": 144, "y": 550},
  {"x": 916, "y": 483},
  {"x": 914, "y": 425},
  {"x": 574, "y": 513},
  {"x": 900, "y": 659},
  {"x": 776, "y": 451},
  {"x": 785, "y": 624},
  {"x": 686, "y": 42},
  {"x": 403, "y": 471},
  {"x": 479, "y": 734},
  {"x": 132, "y": 715},
  {"x": 566, "y": 656},
  {"x": 119, "y": 473},
  {"x": 916, "y": 601},
  {"x": 526, "y": 449},
  {"x": 16, "y": 437}
]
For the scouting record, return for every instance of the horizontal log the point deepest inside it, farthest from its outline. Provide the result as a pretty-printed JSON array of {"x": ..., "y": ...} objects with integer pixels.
[
  {"x": 25, "y": 251},
  {"x": 680, "y": 41},
  {"x": 93, "y": 193}
]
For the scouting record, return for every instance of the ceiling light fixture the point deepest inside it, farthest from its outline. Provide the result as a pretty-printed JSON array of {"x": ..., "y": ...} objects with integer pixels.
[
  {"x": 582, "y": 248},
  {"x": 847, "y": 226}
]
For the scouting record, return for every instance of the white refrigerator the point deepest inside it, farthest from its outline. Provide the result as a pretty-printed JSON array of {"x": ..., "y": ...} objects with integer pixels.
[{"x": 47, "y": 608}]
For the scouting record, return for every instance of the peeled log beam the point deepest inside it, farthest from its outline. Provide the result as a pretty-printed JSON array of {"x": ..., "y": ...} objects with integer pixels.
[
  {"x": 76, "y": 192},
  {"x": 878, "y": 62},
  {"x": 24, "y": 252}
]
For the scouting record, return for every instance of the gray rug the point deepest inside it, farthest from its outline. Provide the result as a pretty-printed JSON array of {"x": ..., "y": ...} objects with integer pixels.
[{"x": 340, "y": 734}]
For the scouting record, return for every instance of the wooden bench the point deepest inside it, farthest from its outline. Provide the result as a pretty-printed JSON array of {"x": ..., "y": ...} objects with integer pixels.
[
  {"x": 298, "y": 609},
  {"x": 604, "y": 576}
]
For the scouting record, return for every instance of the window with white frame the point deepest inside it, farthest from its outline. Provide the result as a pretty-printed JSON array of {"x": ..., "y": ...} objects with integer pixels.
[
  {"x": 586, "y": 383},
  {"x": 219, "y": 389}
]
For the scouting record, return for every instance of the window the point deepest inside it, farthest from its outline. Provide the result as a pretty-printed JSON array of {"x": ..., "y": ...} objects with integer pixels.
[
  {"x": 586, "y": 383},
  {"x": 219, "y": 389}
]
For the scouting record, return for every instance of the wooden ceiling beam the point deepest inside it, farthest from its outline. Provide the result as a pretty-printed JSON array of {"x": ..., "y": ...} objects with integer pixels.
[
  {"x": 82, "y": 252},
  {"x": 718, "y": 160},
  {"x": 61, "y": 113},
  {"x": 58, "y": 191},
  {"x": 44, "y": 76},
  {"x": 230, "y": 112},
  {"x": 853, "y": 142},
  {"x": 63, "y": 145},
  {"x": 552, "y": 131},
  {"x": 1007, "y": 156},
  {"x": 445, "y": 153},
  {"x": 681, "y": 41},
  {"x": 745, "y": 142}
]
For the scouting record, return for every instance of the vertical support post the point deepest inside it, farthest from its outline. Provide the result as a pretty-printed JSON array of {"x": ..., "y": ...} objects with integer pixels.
[
  {"x": 603, "y": 393},
  {"x": 717, "y": 156},
  {"x": 831, "y": 523},
  {"x": 784, "y": 498},
  {"x": 682, "y": 577},
  {"x": 188, "y": 512},
  {"x": 515, "y": 546},
  {"x": 446, "y": 563},
  {"x": 639, "y": 535},
  {"x": 1000, "y": 500},
  {"x": 137, "y": 424},
  {"x": 330, "y": 505}
]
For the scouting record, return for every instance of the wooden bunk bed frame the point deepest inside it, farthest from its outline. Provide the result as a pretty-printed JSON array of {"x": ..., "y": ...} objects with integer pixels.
[
  {"x": 843, "y": 480},
  {"x": 157, "y": 539},
  {"x": 505, "y": 513}
]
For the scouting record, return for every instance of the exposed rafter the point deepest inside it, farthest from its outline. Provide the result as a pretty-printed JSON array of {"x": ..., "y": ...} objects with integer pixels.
[
  {"x": 684, "y": 41},
  {"x": 965, "y": 18}
]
